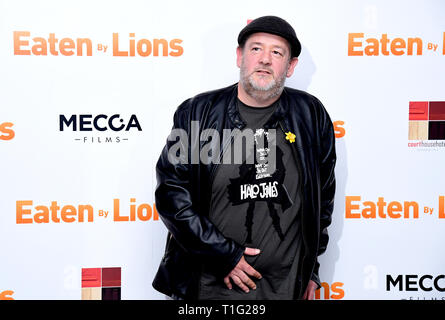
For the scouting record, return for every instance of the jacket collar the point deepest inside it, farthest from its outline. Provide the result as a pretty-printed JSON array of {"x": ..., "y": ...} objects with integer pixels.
[{"x": 277, "y": 116}]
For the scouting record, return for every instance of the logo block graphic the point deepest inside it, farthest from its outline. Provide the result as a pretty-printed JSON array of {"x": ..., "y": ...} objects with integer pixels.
[
  {"x": 101, "y": 283},
  {"x": 426, "y": 120}
]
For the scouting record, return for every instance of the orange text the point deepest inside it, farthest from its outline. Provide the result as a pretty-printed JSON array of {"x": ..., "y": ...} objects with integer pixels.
[
  {"x": 358, "y": 46},
  {"x": 356, "y": 209},
  {"x": 336, "y": 289},
  {"x": 339, "y": 130},
  {"x": 6, "y": 295},
  {"x": 26, "y": 45},
  {"x": 27, "y": 213},
  {"x": 52, "y": 45},
  {"x": 6, "y": 133}
]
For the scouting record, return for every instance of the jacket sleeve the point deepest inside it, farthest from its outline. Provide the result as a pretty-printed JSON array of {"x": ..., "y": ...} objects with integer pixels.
[
  {"x": 327, "y": 162},
  {"x": 194, "y": 233}
]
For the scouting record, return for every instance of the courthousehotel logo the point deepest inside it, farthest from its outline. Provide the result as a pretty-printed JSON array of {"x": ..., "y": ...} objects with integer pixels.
[{"x": 426, "y": 124}]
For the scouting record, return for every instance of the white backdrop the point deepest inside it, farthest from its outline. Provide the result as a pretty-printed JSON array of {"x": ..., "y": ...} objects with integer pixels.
[{"x": 367, "y": 97}]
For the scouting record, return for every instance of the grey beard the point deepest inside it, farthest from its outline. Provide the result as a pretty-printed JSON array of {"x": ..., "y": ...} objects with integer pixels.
[{"x": 261, "y": 94}]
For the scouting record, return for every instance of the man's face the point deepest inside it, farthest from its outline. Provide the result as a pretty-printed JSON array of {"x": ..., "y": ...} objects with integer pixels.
[{"x": 264, "y": 64}]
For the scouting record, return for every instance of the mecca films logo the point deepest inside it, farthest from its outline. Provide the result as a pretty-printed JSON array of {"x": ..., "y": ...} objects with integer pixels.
[
  {"x": 426, "y": 129},
  {"x": 419, "y": 286},
  {"x": 100, "y": 128}
]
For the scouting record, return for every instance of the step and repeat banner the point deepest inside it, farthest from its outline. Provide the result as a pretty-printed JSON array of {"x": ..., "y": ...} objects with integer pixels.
[{"x": 87, "y": 94}]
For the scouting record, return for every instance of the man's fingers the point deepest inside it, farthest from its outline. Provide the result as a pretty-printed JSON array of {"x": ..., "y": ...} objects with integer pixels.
[
  {"x": 227, "y": 282},
  {"x": 239, "y": 283},
  {"x": 252, "y": 272},
  {"x": 252, "y": 251},
  {"x": 244, "y": 266},
  {"x": 241, "y": 280},
  {"x": 309, "y": 293},
  {"x": 247, "y": 281},
  {"x": 240, "y": 274}
]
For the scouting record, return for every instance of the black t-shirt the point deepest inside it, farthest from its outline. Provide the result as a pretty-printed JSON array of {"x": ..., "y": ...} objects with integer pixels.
[{"x": 255, "y": 202}]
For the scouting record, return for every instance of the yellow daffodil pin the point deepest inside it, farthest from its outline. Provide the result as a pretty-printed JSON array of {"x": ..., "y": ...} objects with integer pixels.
[{"x": 290, "y": 136}]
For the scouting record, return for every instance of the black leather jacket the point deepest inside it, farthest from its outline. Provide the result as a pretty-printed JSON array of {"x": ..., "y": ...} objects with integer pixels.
[{"x": 183, "y": 191}]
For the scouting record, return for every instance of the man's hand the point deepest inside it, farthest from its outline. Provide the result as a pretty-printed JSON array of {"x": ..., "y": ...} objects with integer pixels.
[
  {"x": 309, "y": 294},
  {"x": 240, "y": 274}
]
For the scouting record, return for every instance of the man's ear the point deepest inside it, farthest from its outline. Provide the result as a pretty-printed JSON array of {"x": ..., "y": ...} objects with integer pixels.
[
  {"x": 292, "y": 64},
  {"x": 239, "y": 56}
]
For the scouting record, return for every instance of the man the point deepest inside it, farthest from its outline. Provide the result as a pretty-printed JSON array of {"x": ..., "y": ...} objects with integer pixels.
[{"x": 251, "y": 229}]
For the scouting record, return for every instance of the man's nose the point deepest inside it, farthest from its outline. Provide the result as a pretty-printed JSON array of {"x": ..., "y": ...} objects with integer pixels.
[{"x": 266, "y": 57}]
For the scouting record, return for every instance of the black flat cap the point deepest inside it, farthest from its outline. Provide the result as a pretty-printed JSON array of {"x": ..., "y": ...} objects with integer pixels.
[{"x": 273, "y": 25}]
